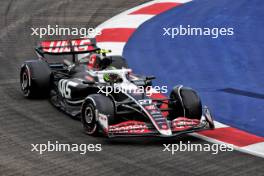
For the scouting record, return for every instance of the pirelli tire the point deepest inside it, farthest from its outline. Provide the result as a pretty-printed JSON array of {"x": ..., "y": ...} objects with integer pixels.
[
  {"x": 35, "y": 79},
  {"x": 91, "y": 107},
  {"x": 185, "y": 102}
]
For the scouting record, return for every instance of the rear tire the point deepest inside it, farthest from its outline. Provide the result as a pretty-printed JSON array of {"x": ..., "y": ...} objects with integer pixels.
[
  {"x": 35, "y": 79},
  {"x": 185, "y": 103},
  {"x": 103, "y": 105}
]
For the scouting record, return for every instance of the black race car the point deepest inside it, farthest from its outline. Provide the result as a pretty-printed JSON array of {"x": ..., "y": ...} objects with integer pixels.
[{"x": 106, "y": 95}]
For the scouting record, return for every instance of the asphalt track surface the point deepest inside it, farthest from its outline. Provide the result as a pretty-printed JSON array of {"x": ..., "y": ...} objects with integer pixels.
[{"x": 23, "y": 122}]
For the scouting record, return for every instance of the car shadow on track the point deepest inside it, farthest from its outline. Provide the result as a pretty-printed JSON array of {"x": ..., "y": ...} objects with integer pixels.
[{"x": 151, "y": 141}]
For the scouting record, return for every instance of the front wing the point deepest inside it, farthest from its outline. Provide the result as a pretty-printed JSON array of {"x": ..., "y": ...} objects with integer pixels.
[{"x": 178, "y": 126}]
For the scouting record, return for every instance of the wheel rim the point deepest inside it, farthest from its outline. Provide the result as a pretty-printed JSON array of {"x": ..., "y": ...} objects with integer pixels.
[
  {"x": 25, "y": 82},
  {"x": 89, "y": 119},
  {"x": 88, "y": 114}
]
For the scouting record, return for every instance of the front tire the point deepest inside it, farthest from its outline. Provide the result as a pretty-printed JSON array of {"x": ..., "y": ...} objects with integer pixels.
[
  {"x": 92, "y": 106},
  {"x": 185, "y": 102},
  {"x": 88, "y": 118}
]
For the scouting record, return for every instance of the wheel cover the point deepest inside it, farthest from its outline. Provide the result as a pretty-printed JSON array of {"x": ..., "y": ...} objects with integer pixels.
[
  {"x": 89, "y": 119},
  {"x": 88, "y": 114},
  {"x": 25, "y": 82}
]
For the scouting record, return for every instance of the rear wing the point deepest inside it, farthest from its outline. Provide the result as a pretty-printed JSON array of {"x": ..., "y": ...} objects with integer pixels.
[{"x": 63, "y": 47}]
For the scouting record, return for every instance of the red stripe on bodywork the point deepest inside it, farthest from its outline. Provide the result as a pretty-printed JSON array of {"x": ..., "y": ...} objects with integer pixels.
[
  {"x": 164, "y": 105},
  {"x": 155, "y": 9},
  {"x": 232, "y": 136},
  {"x": 157, "y": 95},
  {"x": 115, "y": 35}
]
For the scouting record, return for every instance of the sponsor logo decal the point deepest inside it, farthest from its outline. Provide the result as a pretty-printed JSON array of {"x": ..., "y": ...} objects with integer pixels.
[
  {"x": 129, "y": 127},
  {"x": 183, "y": 123},
  {"x": 62, "y": 46},
  {"x": 64, "y": 87}
]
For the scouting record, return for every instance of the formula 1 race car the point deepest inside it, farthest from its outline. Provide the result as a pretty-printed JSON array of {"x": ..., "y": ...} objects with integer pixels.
[{"x": 106, "y": 95}]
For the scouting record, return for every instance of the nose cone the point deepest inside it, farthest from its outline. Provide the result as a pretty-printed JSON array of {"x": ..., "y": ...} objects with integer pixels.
[{"x": 166, "y": 132}]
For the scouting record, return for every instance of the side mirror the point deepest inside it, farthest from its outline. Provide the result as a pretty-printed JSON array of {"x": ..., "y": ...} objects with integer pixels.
[{"x": 150, "y": 77}]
